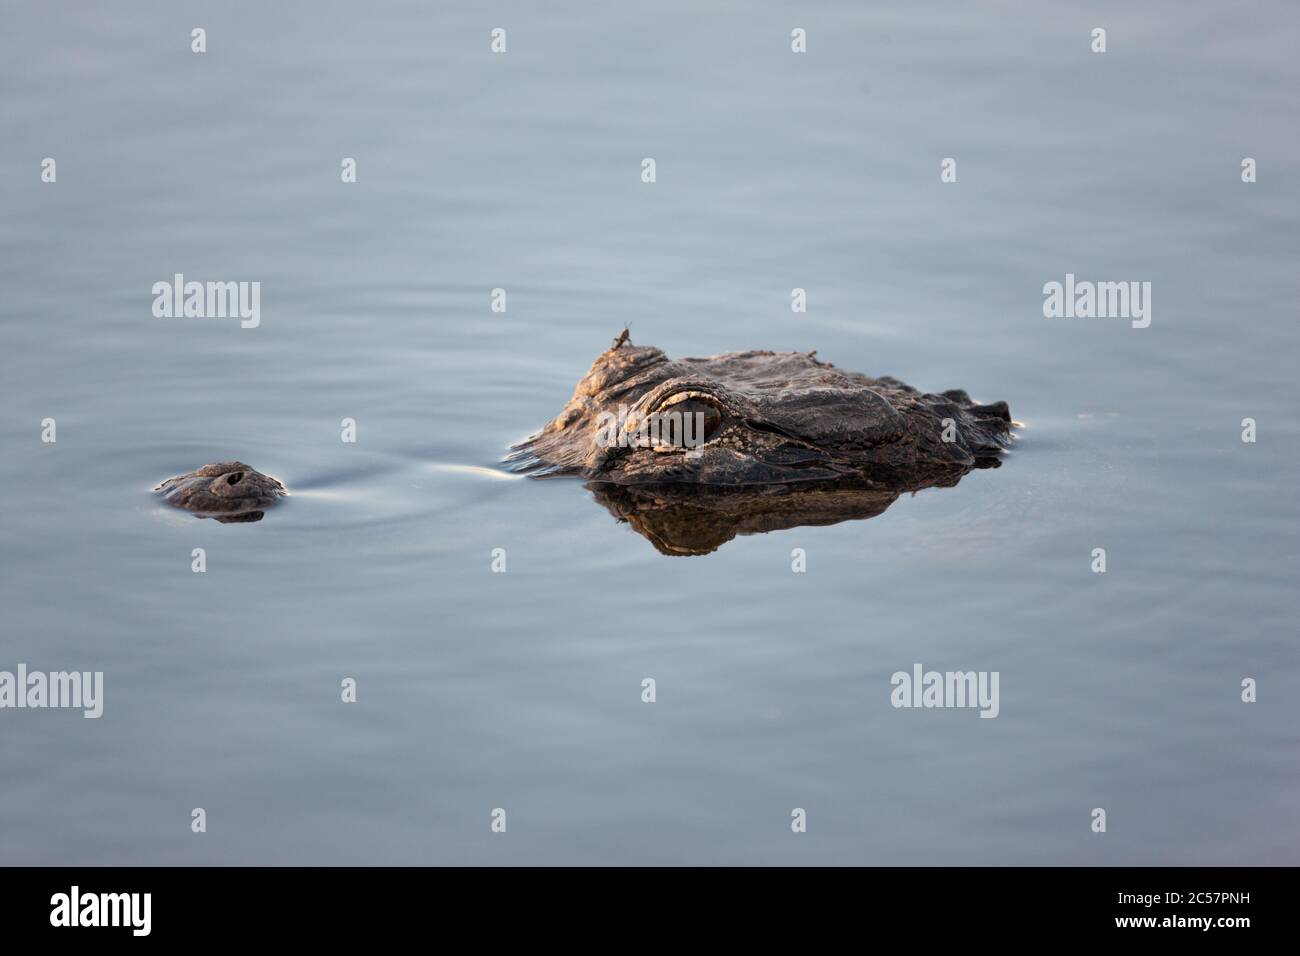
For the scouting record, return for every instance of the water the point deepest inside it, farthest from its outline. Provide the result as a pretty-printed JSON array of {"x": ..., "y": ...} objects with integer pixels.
[{"x": 523, "y": 690}]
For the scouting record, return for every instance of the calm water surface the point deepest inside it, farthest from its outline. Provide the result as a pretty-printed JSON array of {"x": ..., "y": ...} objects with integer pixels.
[{"x": 523, "y": 690}]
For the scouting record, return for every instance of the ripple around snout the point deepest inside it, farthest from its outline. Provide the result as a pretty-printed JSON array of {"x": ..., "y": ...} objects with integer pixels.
[
  {"x": 379, "y": 490},
  {"x": 399, "y": 489},
  {"x": 475, "y": 471}
]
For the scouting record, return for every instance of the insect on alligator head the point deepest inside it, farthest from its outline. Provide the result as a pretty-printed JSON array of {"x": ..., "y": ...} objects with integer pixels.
[
  {"x": 759, "y": 419},
  {"x": 228, "y": 491}
]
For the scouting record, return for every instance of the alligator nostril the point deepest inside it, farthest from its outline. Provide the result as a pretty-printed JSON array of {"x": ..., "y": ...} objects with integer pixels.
[{"x": 235, "y": 478}]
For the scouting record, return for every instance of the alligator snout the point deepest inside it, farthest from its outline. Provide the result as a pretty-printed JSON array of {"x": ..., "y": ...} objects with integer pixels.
[{"x": 228, "y": 491}]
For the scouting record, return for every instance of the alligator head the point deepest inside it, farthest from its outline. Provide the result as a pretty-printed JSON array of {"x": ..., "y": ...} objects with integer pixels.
[
  {"x": 692, "y": 452},
  {"x": 759, "y": 418},
  {"x": 228, "y": 491}
]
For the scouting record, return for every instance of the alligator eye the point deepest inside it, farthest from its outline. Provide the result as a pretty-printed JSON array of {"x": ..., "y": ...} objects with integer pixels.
[
  {"x": 688, "y": 423},
  {"x": 235, "y": 479}
]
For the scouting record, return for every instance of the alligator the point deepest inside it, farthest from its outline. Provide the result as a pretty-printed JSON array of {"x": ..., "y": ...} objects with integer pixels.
[
  {"x": 228, "y": 491},
  {"x": 693, "y": 451}
]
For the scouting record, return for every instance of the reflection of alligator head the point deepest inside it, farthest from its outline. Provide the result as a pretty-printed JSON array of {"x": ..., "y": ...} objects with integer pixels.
[
  {"x": 785, "y": 441},
  {"x": 682, "y": 521},
  {"x": 228, "y": 491}
]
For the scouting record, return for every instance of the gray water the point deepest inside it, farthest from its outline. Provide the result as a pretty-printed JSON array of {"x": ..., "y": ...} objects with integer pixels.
[{"x": 522, "y": 690}]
